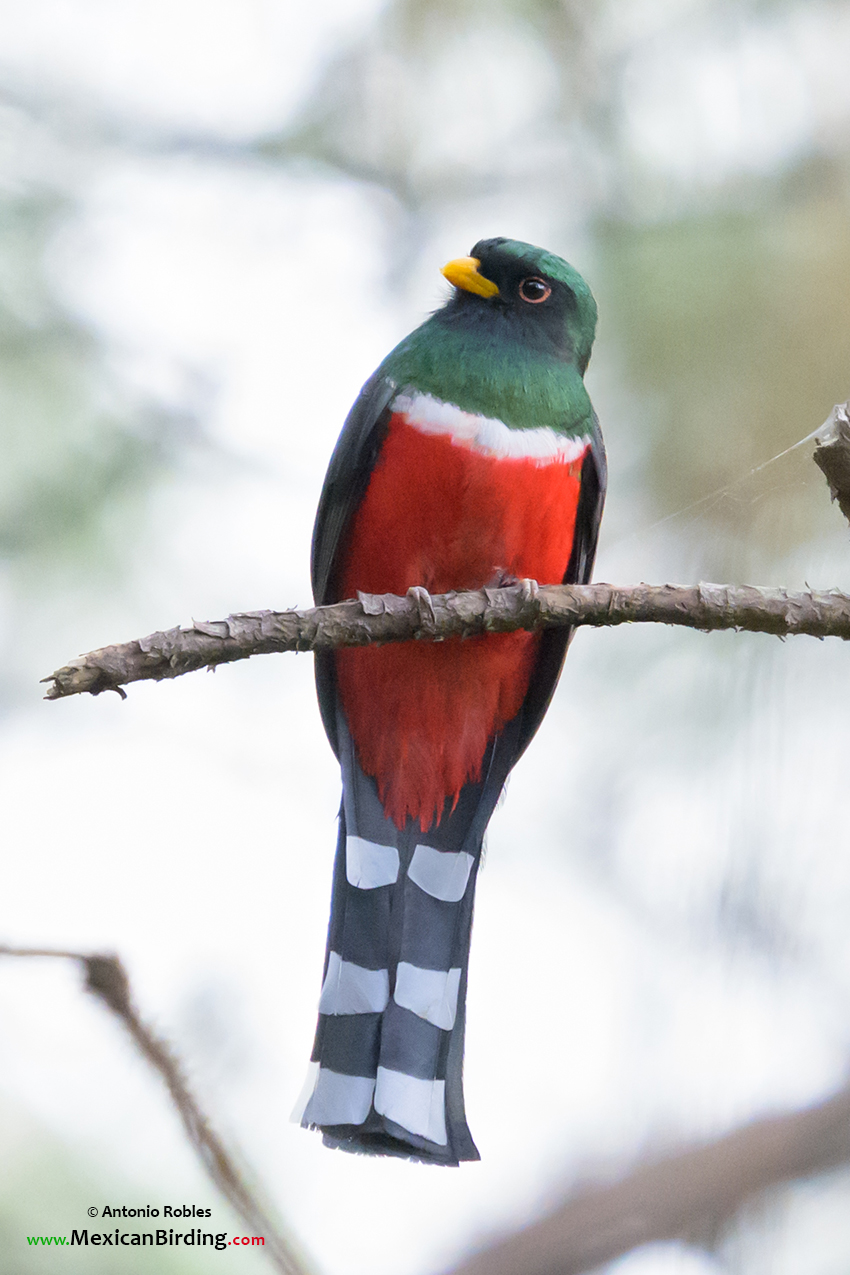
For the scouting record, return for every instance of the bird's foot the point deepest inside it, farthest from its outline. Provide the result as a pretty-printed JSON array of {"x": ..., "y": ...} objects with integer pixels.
[
  {"x": 424, "y": 606},
  {"x": 504, "y": 580}
]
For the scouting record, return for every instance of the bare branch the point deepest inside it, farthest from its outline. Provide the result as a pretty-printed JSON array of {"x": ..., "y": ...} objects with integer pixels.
[
  {"x": 107, "y": 979},
  {"x": 832, "y": 455},
  {"x": 387, "y": 618},
  {"x": 687, "y": 1196}
]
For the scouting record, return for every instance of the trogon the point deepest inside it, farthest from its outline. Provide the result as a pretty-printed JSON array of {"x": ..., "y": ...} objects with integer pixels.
[{"x": 471, "y": 459}]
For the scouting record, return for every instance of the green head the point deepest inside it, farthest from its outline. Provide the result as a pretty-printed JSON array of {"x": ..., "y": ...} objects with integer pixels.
[
  {"x": 537, "y": 296},
  {"x": 512, "y": 341}
]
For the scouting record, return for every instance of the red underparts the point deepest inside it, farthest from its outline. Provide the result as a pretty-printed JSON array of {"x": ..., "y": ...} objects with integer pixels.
[{"x": 439, "y": 514}]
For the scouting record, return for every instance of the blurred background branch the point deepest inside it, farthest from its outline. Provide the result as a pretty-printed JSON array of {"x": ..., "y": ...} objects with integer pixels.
[
  {"x": 106, "y": 979},
  {"x": 690, "y": 1196}
]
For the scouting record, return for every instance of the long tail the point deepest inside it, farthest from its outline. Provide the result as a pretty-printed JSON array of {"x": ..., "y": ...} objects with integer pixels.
[{"x": 386, "y": 1070}]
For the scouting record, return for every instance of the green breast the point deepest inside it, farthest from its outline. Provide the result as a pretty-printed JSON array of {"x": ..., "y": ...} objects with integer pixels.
[{"x": 526, "y": 389}]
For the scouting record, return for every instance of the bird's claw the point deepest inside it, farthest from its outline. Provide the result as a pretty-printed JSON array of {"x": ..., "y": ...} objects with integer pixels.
[{"x": 424, "y": 606}]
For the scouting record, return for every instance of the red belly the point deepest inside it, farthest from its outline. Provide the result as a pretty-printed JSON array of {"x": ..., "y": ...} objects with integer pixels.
[{"x": 444, "y": 516}]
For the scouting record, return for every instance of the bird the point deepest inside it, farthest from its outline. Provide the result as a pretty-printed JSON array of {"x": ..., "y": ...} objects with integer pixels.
[{"x": 471, "y": 459}]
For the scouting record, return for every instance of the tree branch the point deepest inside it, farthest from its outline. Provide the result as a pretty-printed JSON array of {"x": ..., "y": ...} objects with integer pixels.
[
  {"x": 832, "y": 455},
  {"x": 107, "y": 979},
  {"x": 386, "y": 618},
  {"x": 687, "y": 1196}
]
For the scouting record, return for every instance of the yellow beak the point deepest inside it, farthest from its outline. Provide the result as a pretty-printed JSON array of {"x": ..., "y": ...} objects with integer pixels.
[{"x": 463, "y": 273}]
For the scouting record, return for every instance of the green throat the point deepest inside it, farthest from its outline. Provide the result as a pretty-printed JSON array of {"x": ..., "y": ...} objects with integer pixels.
[{"x": 509, "y": 384}]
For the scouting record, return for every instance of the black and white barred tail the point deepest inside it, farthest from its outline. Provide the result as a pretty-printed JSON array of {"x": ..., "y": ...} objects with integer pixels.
[{"x": 386, "y": 1070}]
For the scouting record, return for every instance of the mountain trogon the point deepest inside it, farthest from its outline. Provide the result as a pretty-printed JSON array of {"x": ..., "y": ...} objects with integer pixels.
[{"x": 471, "y": 459}]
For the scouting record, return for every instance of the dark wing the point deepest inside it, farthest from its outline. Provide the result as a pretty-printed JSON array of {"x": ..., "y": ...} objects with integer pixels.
[
  {"x": 345, "y": 486},
  {"x": 554, "y": 642}
]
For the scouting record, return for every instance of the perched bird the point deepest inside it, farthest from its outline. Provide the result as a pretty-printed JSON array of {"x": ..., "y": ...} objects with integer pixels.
[{"x": 472, "y": 458}]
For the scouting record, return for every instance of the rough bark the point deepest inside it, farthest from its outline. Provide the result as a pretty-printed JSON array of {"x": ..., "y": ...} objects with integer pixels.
[
  {"x": 832, "y": 455},
  {"x": 419, "y": 616}
]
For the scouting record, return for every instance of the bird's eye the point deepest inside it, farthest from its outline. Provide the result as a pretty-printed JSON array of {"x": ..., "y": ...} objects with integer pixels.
[{"x": 534, "y": 290}]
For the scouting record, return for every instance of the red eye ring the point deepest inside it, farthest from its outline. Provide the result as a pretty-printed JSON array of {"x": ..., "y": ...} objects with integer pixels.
[{"x": 534, "y": 290}]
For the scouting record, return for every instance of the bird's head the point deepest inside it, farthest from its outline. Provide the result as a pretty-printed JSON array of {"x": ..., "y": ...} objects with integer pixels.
[{"x": 541, "y": 299}]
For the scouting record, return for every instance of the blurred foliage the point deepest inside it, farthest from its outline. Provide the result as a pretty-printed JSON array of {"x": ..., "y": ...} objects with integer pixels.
[
  {"x": 445, "y": 100},
  {"x": 74, "y": 444},
  {"x": 734, "y": 326},
  {"x": 449, "y": 100}
]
